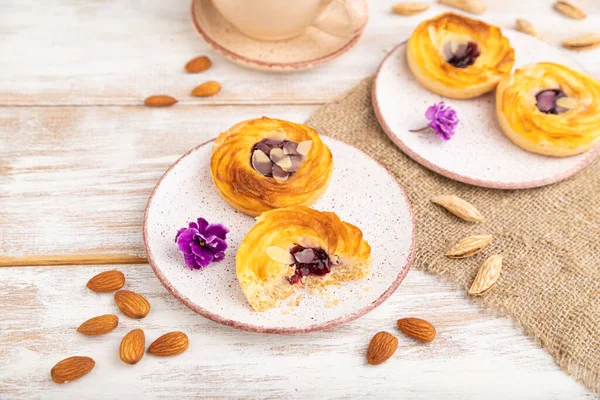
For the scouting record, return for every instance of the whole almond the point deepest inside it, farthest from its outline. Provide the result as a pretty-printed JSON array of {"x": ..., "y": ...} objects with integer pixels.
[
  {"x": 206, "y": 89},
  {"x": 169, "y": 344},
  {"x": 71, "y": 368},
  {"x": 198, "y": 64},
  {"x": 472, "y": 6},
  {"x": 469, "y": 246},
  {"x": 526, "y": 27},
  {"x": 99, "y": 325},
  {"x": 107, "y": 281},
  {"x": 569, "y": 9},
  {"x": 417, "y": 328},
  {"x": 583, "y": 42},
  {"x": 459, "y": 207},
  {"x": 132, "y": 304},
  {"x": 132, "y": 347},
  {"x": 382, "y": 346},
  {"x": 487, "y": 276},
  {"x": 160, "y": 100},
  {"x": 410, "y": 8}
]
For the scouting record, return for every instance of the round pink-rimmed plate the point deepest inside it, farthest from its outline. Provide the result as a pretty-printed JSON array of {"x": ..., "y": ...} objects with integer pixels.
[
  {"x": 361, "y": 192},
  {"x": 307, "y": 50},
  {"x": 479, "y": 154}
]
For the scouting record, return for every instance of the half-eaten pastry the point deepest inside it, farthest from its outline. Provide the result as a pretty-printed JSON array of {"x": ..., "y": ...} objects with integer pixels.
[{"x": 295, "y": 247}]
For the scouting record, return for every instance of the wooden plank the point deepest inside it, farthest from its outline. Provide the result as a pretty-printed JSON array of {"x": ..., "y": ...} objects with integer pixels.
[
  {"x": 70, "y": 259},
  {"x": 74, "y": 181},
  {"x": 69, "y": 52},
  {"x": 475, "y": 354}
]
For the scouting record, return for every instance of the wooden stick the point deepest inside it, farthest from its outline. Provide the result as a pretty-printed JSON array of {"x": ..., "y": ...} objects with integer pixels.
[{"x": 71, "y": 259}]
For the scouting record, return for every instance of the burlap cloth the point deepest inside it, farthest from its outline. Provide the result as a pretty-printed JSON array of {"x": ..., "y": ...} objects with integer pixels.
[{"x": 549, "y": 237}]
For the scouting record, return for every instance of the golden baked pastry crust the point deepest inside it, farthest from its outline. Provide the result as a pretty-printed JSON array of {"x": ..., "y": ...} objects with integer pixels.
[
  {"x": 427, "y": 53},
  {"x": 264, "y": 280},
  {"x": 252, "y": 193},
  {"x": 560, "y": 135}
]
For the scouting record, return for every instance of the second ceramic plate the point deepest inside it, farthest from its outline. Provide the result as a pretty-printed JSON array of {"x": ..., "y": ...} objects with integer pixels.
[
  {"x": 361, "y": 192},
  {"x": 479, "y": 154}
]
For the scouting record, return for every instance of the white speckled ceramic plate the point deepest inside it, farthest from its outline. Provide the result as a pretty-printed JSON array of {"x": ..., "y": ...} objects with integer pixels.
[
  {"x": 479, "y": 154},
  {"x": 311, "y": 48},
  {"x": 361, "y": 192}
]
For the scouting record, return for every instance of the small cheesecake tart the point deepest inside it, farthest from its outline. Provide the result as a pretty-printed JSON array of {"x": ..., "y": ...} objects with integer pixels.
[
  {"x": 459, "y": 57},
  {"x": 550, "y": 109},
  {"x": 296, "y": 247},
  {"x": 262, "y": 164}
]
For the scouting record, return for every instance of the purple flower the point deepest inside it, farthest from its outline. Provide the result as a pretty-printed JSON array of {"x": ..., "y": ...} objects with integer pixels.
[
  {"x": 443, "y": 120},
  {"x": 202, "y": 243}
]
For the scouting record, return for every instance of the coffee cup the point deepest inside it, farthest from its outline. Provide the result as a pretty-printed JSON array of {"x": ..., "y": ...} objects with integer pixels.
[{"x": 283, "y": 19}]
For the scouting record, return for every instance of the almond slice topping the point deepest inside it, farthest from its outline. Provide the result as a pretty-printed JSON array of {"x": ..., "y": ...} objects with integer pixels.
[
  {"x": 285, "y": 163},
  {"x": 277, "y": 134},
  {"x": 277, "y": 155},
  {"x": 304, "y": 147},
  {"x": 261, "y": 163},
  {"x": 280, "y": 255},
  {"x": 296, "y": 163},
  {"x": 567, "y": 102},
  {"x": 279, "y": 174}
]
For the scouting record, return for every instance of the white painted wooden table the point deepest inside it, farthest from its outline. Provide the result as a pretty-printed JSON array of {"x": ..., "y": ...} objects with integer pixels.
[{"x": 79, "y": 156}]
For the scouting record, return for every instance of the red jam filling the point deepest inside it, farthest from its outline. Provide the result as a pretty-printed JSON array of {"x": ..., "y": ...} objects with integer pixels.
[
  {"x": 465, "y": 55},
  {"x": 308, "y": 261}
]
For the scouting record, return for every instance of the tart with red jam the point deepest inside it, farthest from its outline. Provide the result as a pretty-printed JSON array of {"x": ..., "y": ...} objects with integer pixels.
[
  {"x": 550, "y": 109},
  {"x": 459, "y": 57},
  {"x": 262, "y": 164},
  {"x": 297, "y": 247}
]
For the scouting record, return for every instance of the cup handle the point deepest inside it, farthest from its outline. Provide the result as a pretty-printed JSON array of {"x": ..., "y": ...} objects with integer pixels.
[{"x": 343, "y": 18}]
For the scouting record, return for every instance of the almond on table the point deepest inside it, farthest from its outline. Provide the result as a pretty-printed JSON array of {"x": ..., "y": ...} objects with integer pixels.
[
  {"x": 410, "y": 8},
  {"x": 469, "y": 246},
  {"x": 99, "y": 325},
  {"x": 583, "y": 42},
  {"x": 161, "y": 100},
  {"x": 417, "y": 328},
  {"x": 169, "y": 344},
  {"x": 198, "y": 64},
  {"x": 472, "y": 6},
  {"x": 132, "y": 304},
  {"x": 569, "y": 9},
  {"x": 383, "y": 345},
  {"x": 132, "y": 347},
  {"x": 107, "y": 281},
  {"x": 459, "y": 207},
  {"x": 71, "y": 368},
  {"x": 487, "y": 276},
  {"x": 524, "y": 26},
  {"x": 207, "y": 89}
]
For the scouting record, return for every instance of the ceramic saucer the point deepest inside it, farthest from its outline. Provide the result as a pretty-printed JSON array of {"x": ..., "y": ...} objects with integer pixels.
[
  {"x": 312, "y": 48},
  {"x": 361, "y": 192},
  {"x": 479, "y": 153}
]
